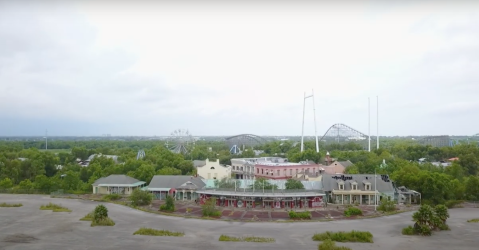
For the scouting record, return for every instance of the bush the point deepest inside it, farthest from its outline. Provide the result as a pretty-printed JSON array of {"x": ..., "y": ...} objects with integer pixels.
[
  {"x": 473, "y": 220},
  {"x": 353, "y": 236},
  {"x": 54, "y": 208},
  {"x": 352, "y": 211},
  {"x": 10, "y": 205},
  {"x": 427, "y": 219},
  {"x": 300, "y": 215},
  {"x": 169, "y": 205},
  {"x": 100, "y": 213},
  {"x": 112, "y": 197},
  {"x": 408, "y": 231},
  {"x": 103, "y": 222},
  {"x": 331, "y": 245},
  {"x": 140, "y": 198},
  {"x": 387, "y": 206},
  {"x": 209, "y": 208},
  {"x": 154, "y": 232},
  {"x": 246, "y": 239},
  {"x": 453, "y": 203}
]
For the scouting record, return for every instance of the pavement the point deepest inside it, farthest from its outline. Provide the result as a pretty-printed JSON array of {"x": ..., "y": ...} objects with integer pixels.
[{"x": 28, "y": 227}]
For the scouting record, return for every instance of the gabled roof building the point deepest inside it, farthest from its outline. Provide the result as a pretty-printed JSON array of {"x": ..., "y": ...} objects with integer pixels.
[{"x": 116, "y": 184}]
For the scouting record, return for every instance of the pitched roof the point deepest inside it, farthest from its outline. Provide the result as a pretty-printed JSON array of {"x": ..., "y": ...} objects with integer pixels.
[
  {"x": 118, "y": 179},
  {"x": 329, "y": 183},
  {"x": 175, "y": 181},
  {"x": 199, "y": 163},
  {"x": 345, "y": 163}
]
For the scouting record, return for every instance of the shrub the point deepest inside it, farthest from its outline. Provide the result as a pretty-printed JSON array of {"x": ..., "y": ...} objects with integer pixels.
[
  {"x": 300, "y": 215},
  {"x": 352, "y": 211},
  {"x": 140, "y": 198},
  {"x": 387, "y": 206},
  {"x": 408, "y": 231},
  {"x": 246, "y": 239},
  {"x": 453, "y": 203},
  {"x": 112, "y": 197},
  {"x": 10, "y": 205},
  {"x": 169, "y": 205},
  {"x": 209, "y": 208},
  {"x": 353, "y": 236},
  {"x": 100, "y": 213},
  {"x": 441, "y": 213},
  {"x": 54, "y": 208},
  {"x": 154, "y": 232},
  {"x": 331, "y": 245},
  {"x": 474, "y": 220}
]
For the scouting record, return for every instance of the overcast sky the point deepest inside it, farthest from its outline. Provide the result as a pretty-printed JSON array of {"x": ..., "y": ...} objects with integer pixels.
[{"x": 150, "y": 67}]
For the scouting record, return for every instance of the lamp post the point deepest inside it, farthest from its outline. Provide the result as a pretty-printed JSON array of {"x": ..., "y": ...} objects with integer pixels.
[{"x": 375, "y": 190}]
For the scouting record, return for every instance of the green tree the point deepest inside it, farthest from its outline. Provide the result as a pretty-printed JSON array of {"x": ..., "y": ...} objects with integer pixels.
[
  {"x": 294, "y": 184},
  {"x": 140, "y": 198},
  {"x": 6, "y": 183},
  {"x": 169, "y": 204},
  {"x": 168, "y": 171}
]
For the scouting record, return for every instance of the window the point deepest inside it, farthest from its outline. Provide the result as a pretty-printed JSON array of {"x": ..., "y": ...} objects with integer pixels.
[
  {"x": 209, "y": 175},
  {"x": 262, "y": 171},
  {"x": 216, "y": 175},
  {"x": 354, "y": 186},
  {"x": 278, "y": 172},
  {"x": 257, "y": 170},
  {"x": 212, "y": 168},
  {"x": 368, "y": 187},
  {"x": 290, "y": 172},
  {"x": 341, "y": 186}
]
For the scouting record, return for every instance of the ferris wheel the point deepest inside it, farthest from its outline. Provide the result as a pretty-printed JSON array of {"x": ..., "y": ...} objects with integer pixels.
[{"x": 180, "y": 141}]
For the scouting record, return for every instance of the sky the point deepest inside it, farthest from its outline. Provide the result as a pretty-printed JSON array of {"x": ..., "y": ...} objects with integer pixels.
[{"x": 148, "y": 68}]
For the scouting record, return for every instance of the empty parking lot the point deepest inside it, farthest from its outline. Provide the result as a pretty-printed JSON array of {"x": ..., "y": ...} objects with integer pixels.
[{"x": 28, "y": 227}]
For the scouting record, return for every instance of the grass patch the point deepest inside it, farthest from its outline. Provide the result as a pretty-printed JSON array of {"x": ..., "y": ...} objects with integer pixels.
[
  {"x": 408, "y": 231},
  {"x": 154, "y": 232},
  {"x": 300, "y": 215},
  {"x": 353, "y": 236},
  {"x": 54, "y": 208},
  {"x": 10, "y": 205},
  {"x": 88, "y": 217},
  {"x": 474, "y": 220},
  {"x": 331, "y": 245},
  {"x": 246, "y": 239},
  {"x": 111, "y": 197},
  {"x": 103, "y": 222},
  {"x": 352, "y": 211}
]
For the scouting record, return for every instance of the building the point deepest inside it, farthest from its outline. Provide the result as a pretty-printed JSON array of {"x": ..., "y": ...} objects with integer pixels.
[
  {"x": 116, "y": 184},
  {"x": 214, "y": 170},
  {"x": 337, "y": 167},
  {"x": 181, "y": 187},
  {"x": 285, "y": 170},
  {"x": 245, "y": 196},
  {"x": 407, "y": 196},
  {"x": 362, "y": 189},
  {"x": 268, "y": 167}
]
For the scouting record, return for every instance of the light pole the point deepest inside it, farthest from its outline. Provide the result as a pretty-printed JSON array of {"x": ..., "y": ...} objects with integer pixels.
[
  {"x": 46, "y": 140},
  {"x": 375, "y": 190}
]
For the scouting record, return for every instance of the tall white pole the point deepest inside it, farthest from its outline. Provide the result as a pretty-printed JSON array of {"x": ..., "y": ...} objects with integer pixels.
[
  {"x": 375, "y": 190},
  {"x": 377, "y": 120},
  {"x": 369, "y": 124},
  {"x": 302, "y": 130},
  {"x": 315, "y": 131}
]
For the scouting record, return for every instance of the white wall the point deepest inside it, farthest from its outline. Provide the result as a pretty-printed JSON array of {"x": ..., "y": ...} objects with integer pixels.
[{"x": 213, "y": 169}]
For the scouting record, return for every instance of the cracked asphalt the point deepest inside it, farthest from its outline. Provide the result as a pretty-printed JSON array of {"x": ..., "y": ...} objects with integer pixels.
[{"x": 28, "y": 227}]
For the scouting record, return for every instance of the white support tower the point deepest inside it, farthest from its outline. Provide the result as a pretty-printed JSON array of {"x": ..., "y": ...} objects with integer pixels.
[
  {"x": 46, "y": 139},
  {"x": 315, "y": 128},
  {"x": 369, "y": 125},
  {"x": 377, "y": 121}
]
